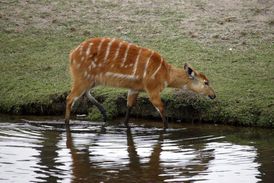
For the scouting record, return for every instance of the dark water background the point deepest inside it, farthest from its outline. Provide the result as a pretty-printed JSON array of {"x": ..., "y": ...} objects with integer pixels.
[{"x": 142, "y": 153}]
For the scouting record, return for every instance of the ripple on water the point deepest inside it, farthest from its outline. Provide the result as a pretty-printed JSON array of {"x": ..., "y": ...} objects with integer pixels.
[{"x": 138, "y": 154}]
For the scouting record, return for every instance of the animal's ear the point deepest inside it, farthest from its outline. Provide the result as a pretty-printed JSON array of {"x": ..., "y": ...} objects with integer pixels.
[{"x": 191, "y": 74}]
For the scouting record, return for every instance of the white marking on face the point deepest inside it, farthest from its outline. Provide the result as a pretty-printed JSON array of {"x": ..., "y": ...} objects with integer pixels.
[
  {"x": 126, "y": 53},
  {"x": 192, "y": 74},
  {"x": 136, "y": 62},
  {"x": 108, "y": 49},
  {"x": 159, "y": 67},
  {"x": 147, "y": 62}
]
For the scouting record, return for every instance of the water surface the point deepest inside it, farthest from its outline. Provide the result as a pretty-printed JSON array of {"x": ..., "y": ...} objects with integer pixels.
[{"x": 142, "y": 153}]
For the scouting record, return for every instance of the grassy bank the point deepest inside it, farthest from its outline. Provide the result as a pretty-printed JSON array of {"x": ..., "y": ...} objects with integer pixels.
[{"x": 36, "y": 38}]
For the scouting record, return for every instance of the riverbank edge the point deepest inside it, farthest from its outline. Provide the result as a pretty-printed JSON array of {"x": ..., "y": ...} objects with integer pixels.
[{"x": 180, "y": 107}]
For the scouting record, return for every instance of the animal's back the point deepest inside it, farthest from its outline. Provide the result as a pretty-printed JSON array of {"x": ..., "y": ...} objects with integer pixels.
[{"x": 115, "y": 62}]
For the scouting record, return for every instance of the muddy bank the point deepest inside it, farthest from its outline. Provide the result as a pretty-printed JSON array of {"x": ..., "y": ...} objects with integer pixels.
[{"x": 180, "y": 107}]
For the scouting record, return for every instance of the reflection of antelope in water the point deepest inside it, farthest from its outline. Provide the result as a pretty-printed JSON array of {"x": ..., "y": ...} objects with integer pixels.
[
  {"x": 84, "y": 169},
  {"x": 116, "y": 63}
]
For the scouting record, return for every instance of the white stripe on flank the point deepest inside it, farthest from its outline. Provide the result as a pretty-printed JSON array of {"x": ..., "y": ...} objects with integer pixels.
[
  {"x": 99, "y": 49},
  {"x": 108, "y": 48},
  {"x": 89, "y": 48},
  {"x": 100, "y": 45},
  {"x": 148, "y": 60},
  {"x": 136, "y": 62},
  {"x": 159, "y": 67},
  {"x": 118, "y": 50},
  {"x": 121, "y": 76},
  {"x": 81, "y": 49},
  {"x": 125, "y": 56}
]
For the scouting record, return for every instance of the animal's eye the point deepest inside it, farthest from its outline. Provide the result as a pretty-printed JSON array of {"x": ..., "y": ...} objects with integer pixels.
[{"x": 206, "y": 83}]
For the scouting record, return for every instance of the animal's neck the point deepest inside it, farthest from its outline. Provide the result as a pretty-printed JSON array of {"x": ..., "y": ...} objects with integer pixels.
[{"x": 178, "y": 77}]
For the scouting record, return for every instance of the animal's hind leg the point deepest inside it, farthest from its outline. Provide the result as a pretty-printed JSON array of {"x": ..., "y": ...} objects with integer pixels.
[
  {"x": 98, "y": 105},
  {"x": 154, "y": 97},
  {"x": 76, "y": 92}
]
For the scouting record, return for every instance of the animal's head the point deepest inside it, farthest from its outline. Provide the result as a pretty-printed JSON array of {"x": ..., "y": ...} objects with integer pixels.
[{"x": 198, "y": 82}]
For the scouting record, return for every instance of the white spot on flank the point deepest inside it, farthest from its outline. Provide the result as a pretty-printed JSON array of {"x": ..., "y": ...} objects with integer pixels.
[
  {"x": 78, "y": 66},
  {"x": 159, "y": 67},
  {"x": 93, "y": 64},
  {"x": 108, "y": 48},
  {"x": 89, "y": 67},
  {"x": 147, "y": 62},
  {"x": 82, "y": 58},
  {"x": 85, "y": 73}
]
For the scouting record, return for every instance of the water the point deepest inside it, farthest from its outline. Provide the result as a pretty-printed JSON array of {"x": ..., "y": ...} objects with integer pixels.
[{"x": 144, "y": 153}]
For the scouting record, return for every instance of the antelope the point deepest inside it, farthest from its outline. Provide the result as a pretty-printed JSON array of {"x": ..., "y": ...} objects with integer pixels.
[{"x": 117, "y": 63}]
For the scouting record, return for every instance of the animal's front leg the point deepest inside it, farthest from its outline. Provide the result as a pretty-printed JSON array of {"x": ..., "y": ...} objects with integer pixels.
[{"x": 131, "y": 101}]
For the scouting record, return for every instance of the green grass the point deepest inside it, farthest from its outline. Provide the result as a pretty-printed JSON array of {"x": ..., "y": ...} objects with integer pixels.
[{"x": 34, "y": 58}]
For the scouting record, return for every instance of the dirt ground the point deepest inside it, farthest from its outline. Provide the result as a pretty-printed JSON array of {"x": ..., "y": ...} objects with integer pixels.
[{"x": 231, "y": 23}]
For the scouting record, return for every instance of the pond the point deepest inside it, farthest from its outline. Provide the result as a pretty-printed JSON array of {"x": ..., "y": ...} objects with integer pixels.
[{"x": 143, "y": 153}]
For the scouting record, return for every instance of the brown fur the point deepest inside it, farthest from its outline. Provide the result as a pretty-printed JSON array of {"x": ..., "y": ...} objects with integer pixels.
[{"x": 113, "y": 62}]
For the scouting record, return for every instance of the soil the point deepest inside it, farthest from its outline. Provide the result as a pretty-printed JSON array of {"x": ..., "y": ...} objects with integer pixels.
[{"x": 225, "y": 22}]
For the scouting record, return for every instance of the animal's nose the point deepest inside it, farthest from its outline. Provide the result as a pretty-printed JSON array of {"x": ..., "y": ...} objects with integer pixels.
[{"x": 212, "y": 96}]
